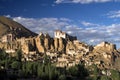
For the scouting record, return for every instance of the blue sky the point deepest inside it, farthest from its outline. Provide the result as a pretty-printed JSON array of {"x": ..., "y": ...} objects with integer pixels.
[{"x": 92, "y": 21}]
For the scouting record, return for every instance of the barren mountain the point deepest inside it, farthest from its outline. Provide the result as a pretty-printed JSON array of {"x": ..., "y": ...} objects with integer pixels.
[{"x": 7, "y": 26}]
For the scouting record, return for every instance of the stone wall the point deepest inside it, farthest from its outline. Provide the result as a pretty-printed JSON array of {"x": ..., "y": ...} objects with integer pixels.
[{"x": 106, "y": 46}]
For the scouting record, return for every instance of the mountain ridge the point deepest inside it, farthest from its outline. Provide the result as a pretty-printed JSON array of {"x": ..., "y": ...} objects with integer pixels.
[
  {"x": 64, "y": 50},
  {"x": 7, "y": 25}
]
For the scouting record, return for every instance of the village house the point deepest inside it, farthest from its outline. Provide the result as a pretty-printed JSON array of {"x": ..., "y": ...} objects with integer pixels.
[
  {"x": 60, "y": 34},
  {"x": 106, "y": 45},
  {"x": 7, "y": 38}
]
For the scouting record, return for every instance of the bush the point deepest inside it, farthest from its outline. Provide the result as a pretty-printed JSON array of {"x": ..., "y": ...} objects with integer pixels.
[
  {"x": 16, "y": 65},
  {"x": 78, "y": 71},
  {"x": 73, "y": 71},
  {"x": 105, "y": 78},
  {"x": 47, "y": 72},
  {"x": 115, "y": 75},
  {"x": 62, "y": 77}
]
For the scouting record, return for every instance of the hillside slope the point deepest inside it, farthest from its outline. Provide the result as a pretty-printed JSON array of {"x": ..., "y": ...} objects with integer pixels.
[{"x": 7, "y": 26}]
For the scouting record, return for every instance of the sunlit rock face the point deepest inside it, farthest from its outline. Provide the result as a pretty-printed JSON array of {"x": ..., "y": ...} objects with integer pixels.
[{"x": 64, "y": 50}]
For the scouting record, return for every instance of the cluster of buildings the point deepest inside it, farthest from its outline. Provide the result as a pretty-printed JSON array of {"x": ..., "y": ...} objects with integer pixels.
[{"x": 63, "y": 49}]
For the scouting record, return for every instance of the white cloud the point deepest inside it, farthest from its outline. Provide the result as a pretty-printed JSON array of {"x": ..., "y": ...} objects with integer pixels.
[
  {"x": 82, "y": 1},
  {"x": 65, "y": 19},
  {"x": 114, "y": 14},
  {"x": 7, "y": 16},
  {"x": 88, "y": 24},
  {"x": 91, "y": 35},
  {"x": 43, "y": 24}
]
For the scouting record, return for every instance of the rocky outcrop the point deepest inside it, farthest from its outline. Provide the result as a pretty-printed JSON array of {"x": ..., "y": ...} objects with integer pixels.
[
  {"x": 14, "y": 36},
  {"x": 52, "y": 47},
  {"x": 25, "y": 48},
  {"x": 70, "y": 48},
  {"x": 39, "y": 44},
  {"x": 46, "y": 44},
  {"x": 62, "y": 45},
  {"x": 72, "y": 52},
  {"x": 103, "y": 55},
  {"x": 105, "y": 46},
  {"x": 56, "y": 43},
  {"x": 76, "y": 47},
  {"x": 59, "y": 44}
]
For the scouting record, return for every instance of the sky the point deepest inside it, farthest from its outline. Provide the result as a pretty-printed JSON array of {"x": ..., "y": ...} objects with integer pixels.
[{"x": 92, "y": 21}]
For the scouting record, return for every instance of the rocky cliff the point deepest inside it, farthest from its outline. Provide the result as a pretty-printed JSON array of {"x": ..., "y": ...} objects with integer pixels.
[
  {"x": 104, "y": 55},
  {"x": 47, "y": 44},
  {"x": 69, "y": 53},
  {"x": 63, "y": 50}
]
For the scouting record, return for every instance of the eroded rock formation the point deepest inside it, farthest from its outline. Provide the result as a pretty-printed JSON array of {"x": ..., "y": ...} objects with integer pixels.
[{"x": 65, "y": 52}]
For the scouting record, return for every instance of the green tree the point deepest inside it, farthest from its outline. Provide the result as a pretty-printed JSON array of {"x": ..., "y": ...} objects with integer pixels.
[
  {"x": 62, "y": 77},
  {"x": 41, "y": 71},
  {"x": 73, "y": 71},
  {"x": 35, "y": 65},
  {"x": 115, "y": 75},
  {"x": 47, "y": 72},
  {"x": 3, "y": 54},
  {"x": 4, "y": 57},
  {"x": 16, "y": 65},
  {"x": 78, "y": 71},
  {"x": 95, "y": 72},
  {"x": 46, "y": 60},
  {"x": 24, "y": 71},
  {"x": 29, "y": 68},
  {"x": 105, "y": 78},
  {"x": 19, "y": 55}
]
